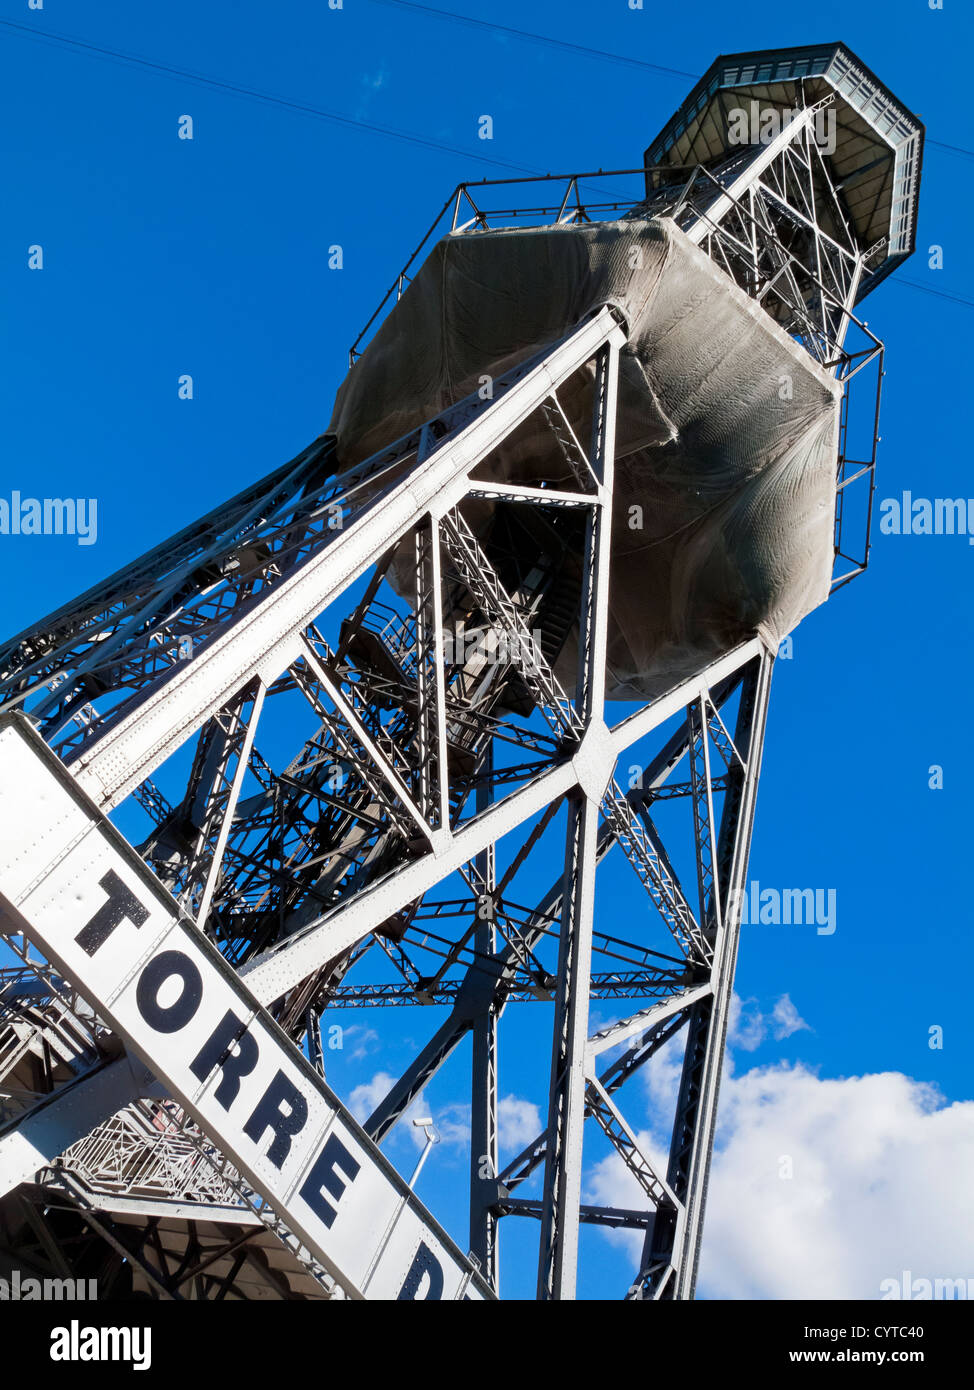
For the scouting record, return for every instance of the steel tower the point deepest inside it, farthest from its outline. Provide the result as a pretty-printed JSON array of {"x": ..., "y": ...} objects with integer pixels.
[{"x": 391, "y": 727}]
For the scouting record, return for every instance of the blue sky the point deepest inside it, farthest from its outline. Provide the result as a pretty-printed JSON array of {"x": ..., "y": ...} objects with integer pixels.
[{"x": 210, "y": 257}]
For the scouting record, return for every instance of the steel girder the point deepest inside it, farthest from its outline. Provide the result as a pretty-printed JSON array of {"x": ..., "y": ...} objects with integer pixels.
[
  {"x": 410, "y": 763},
  {"x": 416, "y": 766}
]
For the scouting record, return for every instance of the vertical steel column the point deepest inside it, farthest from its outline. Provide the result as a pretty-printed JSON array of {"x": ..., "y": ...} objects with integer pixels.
[
  {"x": 427, "y": 640},
  {"x": 566, "y": 1107},
  {"x": 558, "y": 1256},
  {"x": 671, "y": 1243},
  {"x": 483, "y": 1121}
]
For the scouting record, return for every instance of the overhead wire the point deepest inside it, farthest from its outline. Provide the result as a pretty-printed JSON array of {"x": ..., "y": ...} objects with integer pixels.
[
  {"x": 599, "y": 53},
  {"x": 391, "y": 132}
]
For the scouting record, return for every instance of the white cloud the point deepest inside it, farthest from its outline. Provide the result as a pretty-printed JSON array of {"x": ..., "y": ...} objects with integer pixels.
[
  {"x": 371, "y": 83},
  {"x": 880, "y": 1184},
  {"x": 785, "y": 1019},
  {"x": 746, "y": 1027},
  {"x": 452, "y": 1121},
  {"x": 518, "y": 1123},
  {"x": 661, "y": 1082},
  {"x": 611, "y": 1184},
  {"x": 749, "y": 1027},
  {"x": 359, "y": 1041},
  {"x": 453, "y": 1124},
  {"x": 366, "y": 1097}
]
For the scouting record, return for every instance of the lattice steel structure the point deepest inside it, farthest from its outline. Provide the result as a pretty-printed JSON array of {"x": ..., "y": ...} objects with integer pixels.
[{"x": 354, "y": 811}]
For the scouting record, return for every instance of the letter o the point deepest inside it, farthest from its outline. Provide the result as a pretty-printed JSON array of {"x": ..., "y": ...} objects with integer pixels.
[{"x": 160, "y": 969}]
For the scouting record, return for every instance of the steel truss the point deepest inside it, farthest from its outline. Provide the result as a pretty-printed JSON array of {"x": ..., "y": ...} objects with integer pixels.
[
  {"x": 775, "y": 220},
  {"x": 391, "y": 856}
]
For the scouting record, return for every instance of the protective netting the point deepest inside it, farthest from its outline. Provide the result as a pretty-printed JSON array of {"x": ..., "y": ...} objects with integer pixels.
[{"x": 726, "y": 434}]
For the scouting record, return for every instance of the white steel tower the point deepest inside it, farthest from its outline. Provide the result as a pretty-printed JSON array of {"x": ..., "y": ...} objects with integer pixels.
[{"x": 460, "y": 711}]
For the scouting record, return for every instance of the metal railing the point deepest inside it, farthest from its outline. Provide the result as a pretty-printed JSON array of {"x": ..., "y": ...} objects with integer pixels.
[{"x": 814, "y": 316}]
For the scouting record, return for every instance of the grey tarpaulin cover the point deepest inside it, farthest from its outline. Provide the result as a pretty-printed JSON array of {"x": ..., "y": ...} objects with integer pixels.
[{"x": 726, "y": 433}]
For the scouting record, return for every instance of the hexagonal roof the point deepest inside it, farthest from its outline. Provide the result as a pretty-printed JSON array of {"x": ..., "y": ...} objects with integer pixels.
[{"x": 879, "y": 142}]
